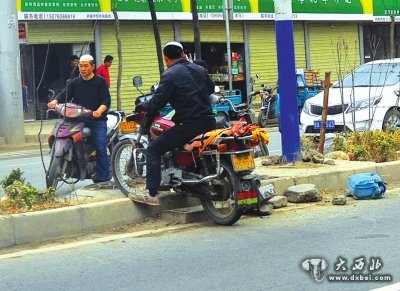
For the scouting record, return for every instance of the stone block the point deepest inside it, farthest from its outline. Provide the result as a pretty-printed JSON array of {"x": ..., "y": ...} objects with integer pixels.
[
  {"x": 303, "y": 193},
  {"x": 278, "y": 201},
  {"x": 185, "y": 215}
]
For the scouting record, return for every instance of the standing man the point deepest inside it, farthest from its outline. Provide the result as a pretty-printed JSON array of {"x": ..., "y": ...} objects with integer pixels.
[
  {"x": 103, "y": 69},
  {"x": 90, "y": 91},
  {"x": 186, "y": 86},
  {"x": 72, "y": 70}
]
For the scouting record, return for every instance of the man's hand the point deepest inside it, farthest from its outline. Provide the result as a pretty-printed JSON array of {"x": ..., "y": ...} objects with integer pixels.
[
  {"x": 97, "y": 114},
  {"x": 52, "y": 104}
]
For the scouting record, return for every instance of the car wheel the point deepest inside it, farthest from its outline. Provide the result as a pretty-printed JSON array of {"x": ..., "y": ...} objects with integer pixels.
[{"x": 391, "y": 120}]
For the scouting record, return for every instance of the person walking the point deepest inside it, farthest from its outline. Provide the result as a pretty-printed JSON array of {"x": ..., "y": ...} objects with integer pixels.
[
  {"x": 91, "y": 91},
  {"x": 186, "y": 86},
  {"x": 103, "y": 69}
]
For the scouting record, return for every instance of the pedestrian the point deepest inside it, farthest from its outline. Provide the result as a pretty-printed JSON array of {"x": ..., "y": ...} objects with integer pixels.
[
  {"x": 90, "y": 91},
  {"x": 103, "y": 69},
  {"x": 186, "y": 86},
  {"x": 72, "y": 70}
]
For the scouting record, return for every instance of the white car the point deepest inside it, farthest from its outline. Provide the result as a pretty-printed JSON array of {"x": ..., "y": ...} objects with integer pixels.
[{"x": 370, "y": 96}]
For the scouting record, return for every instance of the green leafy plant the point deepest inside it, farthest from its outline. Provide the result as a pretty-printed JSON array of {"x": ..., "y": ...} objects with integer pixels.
[
  {"x": 15, "y": 175},
  {"x": 21, "y": 196},
  {"x": 378, "y": 146}
]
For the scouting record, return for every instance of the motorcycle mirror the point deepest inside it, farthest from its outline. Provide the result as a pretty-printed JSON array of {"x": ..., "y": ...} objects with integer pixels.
[{"x": 137, "y": 81}]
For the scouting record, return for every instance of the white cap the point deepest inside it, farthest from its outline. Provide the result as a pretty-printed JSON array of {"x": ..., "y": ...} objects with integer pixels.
[
  {"x": 86, "y": 58},
  {"x": 174, "y": 43}
]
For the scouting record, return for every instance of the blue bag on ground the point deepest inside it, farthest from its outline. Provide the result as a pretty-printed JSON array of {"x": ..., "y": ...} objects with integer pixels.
[{"x": 366, "y": 186}]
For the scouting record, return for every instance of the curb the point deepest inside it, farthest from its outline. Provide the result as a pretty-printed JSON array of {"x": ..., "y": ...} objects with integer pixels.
[
  {"x": 335, "y": 179},
  {"x": 81, "y": 219}
]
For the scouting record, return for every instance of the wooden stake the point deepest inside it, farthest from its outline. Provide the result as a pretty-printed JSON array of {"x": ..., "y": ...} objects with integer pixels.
[{"x": 322, "y": 131}]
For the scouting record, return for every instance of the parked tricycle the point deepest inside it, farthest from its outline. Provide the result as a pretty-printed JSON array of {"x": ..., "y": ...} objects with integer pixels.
[{"x": 270, "y": 105}]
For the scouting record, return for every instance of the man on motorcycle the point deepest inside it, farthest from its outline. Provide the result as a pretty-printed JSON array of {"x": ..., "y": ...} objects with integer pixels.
[
  {"x": 186, "y": 86},
  {"x": 91, "y": 91}
]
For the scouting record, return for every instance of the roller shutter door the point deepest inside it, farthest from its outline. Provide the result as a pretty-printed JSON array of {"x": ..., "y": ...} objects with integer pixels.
[
  {"x": 60, "y": 32},
  {"x": 330, "y": 42},
  {"x": 139, "y": 56}
]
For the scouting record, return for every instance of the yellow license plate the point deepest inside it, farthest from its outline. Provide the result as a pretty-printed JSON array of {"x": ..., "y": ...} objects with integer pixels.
[
  {"x": 243, "y": 162},
  {"x": 127, "y": 126}
]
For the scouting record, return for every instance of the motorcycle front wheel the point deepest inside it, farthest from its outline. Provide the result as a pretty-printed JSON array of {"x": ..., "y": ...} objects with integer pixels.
[
  {"x": 220, "y": 204},
  {"x": 55, "y": 172},
  {"x": 128, "y": 177},
  {"x": 263, "y": 118}
]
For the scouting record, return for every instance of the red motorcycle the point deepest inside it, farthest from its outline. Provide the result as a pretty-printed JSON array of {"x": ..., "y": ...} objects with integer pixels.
[{"x": 214, "y": 167}]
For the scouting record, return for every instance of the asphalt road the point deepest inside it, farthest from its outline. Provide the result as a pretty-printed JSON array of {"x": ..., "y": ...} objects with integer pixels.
[
  {"x": 30, "y": 163},
  {"x": 254, "y": 254}
]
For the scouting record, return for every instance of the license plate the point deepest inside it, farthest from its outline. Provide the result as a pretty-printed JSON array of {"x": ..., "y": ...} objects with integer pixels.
[
  {"x": 127, "y": 126},
  {"x": 330, "y": 124},
  {"x": 243, "y": 162}
]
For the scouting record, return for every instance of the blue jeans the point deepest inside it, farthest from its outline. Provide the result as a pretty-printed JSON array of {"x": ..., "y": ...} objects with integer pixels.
[{"x": 99, "y": 140}]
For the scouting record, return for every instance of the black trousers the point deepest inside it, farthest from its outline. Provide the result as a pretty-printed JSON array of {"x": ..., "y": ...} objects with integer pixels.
[{"x": 175, "y": 137}]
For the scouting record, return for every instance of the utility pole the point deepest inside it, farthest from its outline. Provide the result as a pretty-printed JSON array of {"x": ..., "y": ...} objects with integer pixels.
[
  {"x": 289, "y": 115},
  {"x": 11, "y": 111},
  {"x": 227, "y": 12}
]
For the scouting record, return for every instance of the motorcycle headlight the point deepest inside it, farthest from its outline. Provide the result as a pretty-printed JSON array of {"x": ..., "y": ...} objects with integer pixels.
[
  {"x": 306, "y": 107},
  {"x": 364, "y": 103}
]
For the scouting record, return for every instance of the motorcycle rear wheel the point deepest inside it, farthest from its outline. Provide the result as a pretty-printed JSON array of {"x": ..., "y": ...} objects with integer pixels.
[
  {"x": 222, "y": 208},
  {"x": 261, "y": 150},
  {"x": 123, "y": 171}
]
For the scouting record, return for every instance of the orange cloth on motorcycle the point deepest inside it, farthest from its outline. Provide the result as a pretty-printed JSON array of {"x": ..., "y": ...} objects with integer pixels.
[{"x": 89, "y": 93}]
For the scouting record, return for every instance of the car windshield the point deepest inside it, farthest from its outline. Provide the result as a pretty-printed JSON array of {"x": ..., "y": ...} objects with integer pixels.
[{"x": 373, "y": 75}]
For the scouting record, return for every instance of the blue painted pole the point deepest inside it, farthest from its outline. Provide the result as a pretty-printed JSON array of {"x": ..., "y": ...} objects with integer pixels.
[{"x": 289, "y": 116}]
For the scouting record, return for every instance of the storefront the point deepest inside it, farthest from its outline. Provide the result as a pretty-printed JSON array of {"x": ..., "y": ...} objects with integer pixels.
[
  {"x": 70, "y": 25},
  {"x": 45, "y": 59}
]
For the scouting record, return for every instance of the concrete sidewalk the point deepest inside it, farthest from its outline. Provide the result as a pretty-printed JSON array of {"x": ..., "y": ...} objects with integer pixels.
[
  {"x": 32, "y": 131},
  {"x": 116, "y": 210}
]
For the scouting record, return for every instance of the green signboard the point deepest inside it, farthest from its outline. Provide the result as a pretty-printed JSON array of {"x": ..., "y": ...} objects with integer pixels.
[
  {"x": 386, "y": 7},
  {"x": 179, "y": 9},
  {"x": 60, "y": 6},
  {"x": 327, "y": 6}
]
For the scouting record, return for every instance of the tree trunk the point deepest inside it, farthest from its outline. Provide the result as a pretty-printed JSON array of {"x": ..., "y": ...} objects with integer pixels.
[
  {"x": 119, "y": 50},
  {"x": 156, "y": 36},
  {"x": 196, "y": 31}
]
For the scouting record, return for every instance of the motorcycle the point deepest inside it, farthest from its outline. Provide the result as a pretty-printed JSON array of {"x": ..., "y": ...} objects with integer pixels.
[
  {"x": 215, "y": 167},
  {"x": 72, "y": 155},
  {"x": 268, "y": 103}
]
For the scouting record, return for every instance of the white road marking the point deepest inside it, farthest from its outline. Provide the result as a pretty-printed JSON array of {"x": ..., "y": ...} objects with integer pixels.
[{"x": 95, "y": 241}]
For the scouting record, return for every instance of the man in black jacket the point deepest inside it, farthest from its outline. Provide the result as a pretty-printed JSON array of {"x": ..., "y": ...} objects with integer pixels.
[{"x": 186, "y": 86}]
